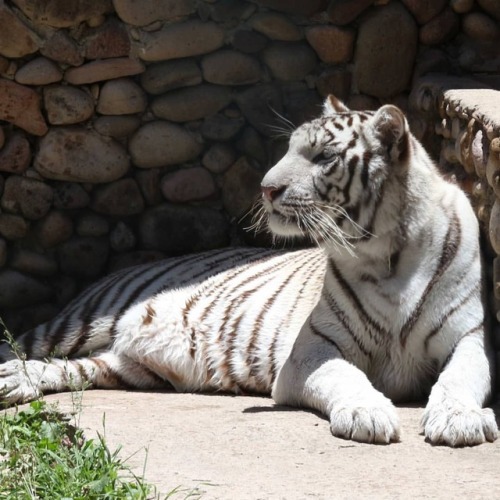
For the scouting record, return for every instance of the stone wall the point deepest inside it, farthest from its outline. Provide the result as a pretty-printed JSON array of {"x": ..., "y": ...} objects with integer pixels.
[{"x": 134, "y": 130}]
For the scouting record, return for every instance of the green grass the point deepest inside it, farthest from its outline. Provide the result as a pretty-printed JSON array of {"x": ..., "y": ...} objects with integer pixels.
[{"x": 44, "y": 456}]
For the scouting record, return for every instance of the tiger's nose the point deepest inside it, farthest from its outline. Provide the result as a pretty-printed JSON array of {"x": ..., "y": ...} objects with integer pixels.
[{"x": 272, "y": 192}]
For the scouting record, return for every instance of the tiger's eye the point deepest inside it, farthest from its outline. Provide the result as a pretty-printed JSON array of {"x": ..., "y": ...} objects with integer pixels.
[{"x": 320, "y": 157}]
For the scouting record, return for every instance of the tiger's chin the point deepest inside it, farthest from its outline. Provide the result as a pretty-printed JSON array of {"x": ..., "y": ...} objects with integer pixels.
[{"x": 286, "y": 227}]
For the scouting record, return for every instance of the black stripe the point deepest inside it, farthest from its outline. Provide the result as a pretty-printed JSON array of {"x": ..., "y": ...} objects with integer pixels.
[
  {"x": 316, "y": 332},
  {"x": 448, "y": 253}
]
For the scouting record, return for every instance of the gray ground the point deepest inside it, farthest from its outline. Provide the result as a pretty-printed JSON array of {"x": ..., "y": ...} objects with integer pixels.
[{"x": 246, "y": 448}]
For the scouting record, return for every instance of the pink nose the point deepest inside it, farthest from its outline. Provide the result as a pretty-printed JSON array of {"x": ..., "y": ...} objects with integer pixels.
[{"x": 272, "y": 192}]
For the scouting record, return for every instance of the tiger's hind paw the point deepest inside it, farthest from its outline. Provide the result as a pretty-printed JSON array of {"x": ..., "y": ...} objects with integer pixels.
[
  {"x": 372, "y": 423},
  {"x": 20, "y": 381},
  {"x": 455, "y": 424}
]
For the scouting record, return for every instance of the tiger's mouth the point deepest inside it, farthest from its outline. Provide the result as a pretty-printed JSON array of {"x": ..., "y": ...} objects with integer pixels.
[{"x": 284, "y": 224}]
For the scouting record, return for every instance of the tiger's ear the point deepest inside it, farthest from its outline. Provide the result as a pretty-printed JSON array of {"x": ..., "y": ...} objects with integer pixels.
[
  {"x": 332, "y": 106},
  {"x": 390, "y": 128}
]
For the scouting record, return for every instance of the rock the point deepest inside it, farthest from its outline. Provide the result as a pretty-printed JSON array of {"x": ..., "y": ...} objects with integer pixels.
[
  {"x": 108, "y": 40},
  {"x": 336, "y": 82},
  {"x": 462, "y": 6},
  {"x": 2, "y": 138},
  {"x": 16, "y": 154},
  {"x": 333, "y": 45},
  {"x": 251, "y": 144},
  {"x": 106, "y": 69},
  {"x": 221, "y": 128},
  {"x": 148, "y": 11},
  {"x": 187, "y": 39},
  {"x": 302, "y": 106},
  {"x": 300, "y": 7},
  {"x": 4, "y": 64},
  {"x": 169, "y": 75},
  {"x": 55, "y": 228},
  {"x": 79, "y": 155},
  {"x": 39, "y": 71},
  {"x": 360, "y": 102},
  {"x": 289, "y": 61},
  {"x": 134, "y": 259},
  {"x": 192, "y": 103},
  {"x": 62, "y": 13},
  {"x": 275, "y": 26},
  {"x": 177, "y": 229},
  {"x": 121, "y": 97},
  {"x": 248, "y": 41},
  {"x": 69, "y": 196},
  {"x": 27, "y": 261},
  {"x": 228, "y": 67},
  {"x": 83, "y": 256},
  {"x": 161, "y": 143},
  {"x": 21, "y": 106},
  {"x": 22, "y": 319},
  {"x": 385, "y": 51},
  {"x": 92, "y": 225},
  {"x": 218, "y": 158},
  {"x": 122, "y": 238},
  {"x": 261, "y": 105},
  {"x": 17, "y": 39},
  {"x": 118, "y": 198},
  {"x": 13, "y": 227},
  {"x": 225, "y": 11},
  {"x": 492, "y": 7},
  {"x": 189, "y": 184},
  {"x": 28, "y": 197},
  {"x": 61, "y": 48},
  {"x": 425, "y": 10},
  {"x": 18, "y": 289},
  {"x": 149, "y": 184},
  {"x": 241, "y": 188},
  {"x": 117, "y": 126},
  {"x": 479, "y": 26},
  {"x": 66, "y": 105},
  {"x": 342, "y": 12},
  {"x": 440, "y": 29}
]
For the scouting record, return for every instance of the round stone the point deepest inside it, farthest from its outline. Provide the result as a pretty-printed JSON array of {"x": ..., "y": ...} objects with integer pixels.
[
  {"x": 480, "y": 27},
  {"x": 161, "y": 77},
  {"x": 161, "y": 143},
  {"x": 55, "y": 228},
  {"x": 289, "y": 61},
  {"x": 122, "y": 238},
  {"x": 425, "y": 10},
  {"x": 27, "y": 197},
  {"x": 177, "y": 40},
  {"x": 275, "y": 26},
  {"x": 66, "y": 105},
  {"x": 147, "y": 11},
  {"x": 241, "y": 188},
  {"x": 248, "y": 41},
  {"x": 13, "y": 227},
  {"x": 219, "y": 158},
  {"x": 15, "y": 156},
  {"x": 17, "y": 39},
  {"x": 149, "y": 183},
  {"x": 35, "y": 263},
  {"x": 69, "y": 196},
  {"x": 192, "y": 103},
  {"x": 62, "y": 48},
  {"x": 119, "y": 198},
  {"x": 229, "y": 67},
  {"x": 190, "y": 184},
  {"x": 440, "y": 29},
  {"x": 121, "y": 97},
  {"x": 333, "y": 45},
  {"x": 39, "y": 71},
  {"x": 462, "y": 6},
  {"x": 385, "y": 51},
  {"x": 492, "y": 7},
  {"x": 111, "y": 39},
  {"x": 105, "y": 69},
  {"x": 342, "y": 12},
  {"x": 92, "y": 225},
  {"x": 80, "y": 155}
]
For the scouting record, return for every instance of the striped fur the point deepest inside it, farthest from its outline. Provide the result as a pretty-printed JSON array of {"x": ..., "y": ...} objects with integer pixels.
[{"x": 388, "y": 308}]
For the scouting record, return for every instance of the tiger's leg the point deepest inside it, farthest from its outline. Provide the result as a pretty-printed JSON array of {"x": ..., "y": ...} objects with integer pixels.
[
  {"x": 22, "y": 381},
  {"x": 454, "y": 414},
  {"x": 316, "y": 375}
]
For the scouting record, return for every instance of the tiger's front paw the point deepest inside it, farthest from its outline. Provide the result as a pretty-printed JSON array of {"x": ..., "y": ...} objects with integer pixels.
[
  {"x": 453, "y": 423},
  {"x": 20, "y": 381},
  {"x": 373, "y": 422}
]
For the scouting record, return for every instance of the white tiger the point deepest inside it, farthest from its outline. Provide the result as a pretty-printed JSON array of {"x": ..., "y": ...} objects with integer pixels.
[{"x": 389, "y": 308}]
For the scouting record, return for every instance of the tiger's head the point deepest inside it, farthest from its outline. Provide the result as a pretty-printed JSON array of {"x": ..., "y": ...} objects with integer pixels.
[{"x": 330, "y": 181}]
